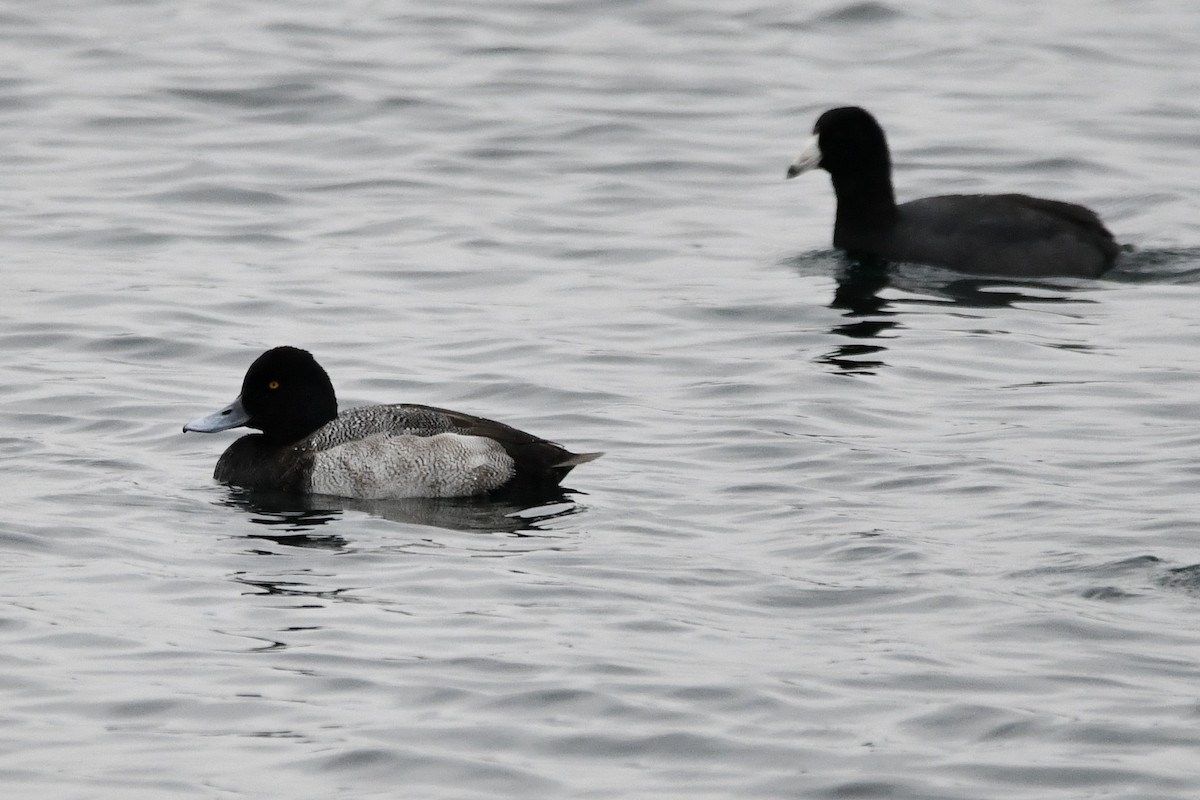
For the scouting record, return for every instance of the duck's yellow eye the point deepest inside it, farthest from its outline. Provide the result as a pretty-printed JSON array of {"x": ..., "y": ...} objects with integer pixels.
[{"x": 273, "y": 385}]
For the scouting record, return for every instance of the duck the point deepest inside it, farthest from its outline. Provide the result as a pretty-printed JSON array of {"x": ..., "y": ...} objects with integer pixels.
[
  {"x": 377, "y": 452},
  {"x": 1012, "y": 235}
]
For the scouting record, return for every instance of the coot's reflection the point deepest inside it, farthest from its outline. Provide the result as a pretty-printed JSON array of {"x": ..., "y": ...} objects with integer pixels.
[
  {"x": 860, "y": 280},
  {"x": 301, "y": 520},
  {"x": 869, "y": 315}
]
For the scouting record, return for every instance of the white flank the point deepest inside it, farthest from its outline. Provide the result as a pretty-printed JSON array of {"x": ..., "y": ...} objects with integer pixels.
[{"x": 388, "y": 466}]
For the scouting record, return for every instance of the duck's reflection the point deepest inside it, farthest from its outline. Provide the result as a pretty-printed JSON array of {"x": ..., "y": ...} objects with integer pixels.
[{"x": 301, "y": 520}]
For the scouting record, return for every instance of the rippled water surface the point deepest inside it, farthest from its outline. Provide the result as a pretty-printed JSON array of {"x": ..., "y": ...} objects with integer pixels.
[{"x": 856, "y": 535}]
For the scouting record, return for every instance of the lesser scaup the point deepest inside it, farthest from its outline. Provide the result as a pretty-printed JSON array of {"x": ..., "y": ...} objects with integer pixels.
[
  {"x": 990, "y": 234},
  {"x": 372, "y": 452}
]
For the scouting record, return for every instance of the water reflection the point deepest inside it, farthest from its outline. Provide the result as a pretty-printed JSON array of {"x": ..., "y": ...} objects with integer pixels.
[
  {"x": 859, "y": 283},
  {"x": 850, "y": 359},
  {"x": 870, "y": 315},
  {"x": 1185, "y": 579},
  {"x": 301, "y": 520},
  {"x": 860, "y": 280},
  {"x": 1173, "y": 265},
  {"x": 1000, "y": 293}
]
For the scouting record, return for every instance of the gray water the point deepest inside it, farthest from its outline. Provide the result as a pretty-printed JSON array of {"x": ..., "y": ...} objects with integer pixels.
[{"x": 922, "y": 537}]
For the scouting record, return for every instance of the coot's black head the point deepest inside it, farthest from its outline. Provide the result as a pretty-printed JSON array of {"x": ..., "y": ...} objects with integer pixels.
[
  {"x": 847, "y": 143},
  {"x": 286, "y": 395}
]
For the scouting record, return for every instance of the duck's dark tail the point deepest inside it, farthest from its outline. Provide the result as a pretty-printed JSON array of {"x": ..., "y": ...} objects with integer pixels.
[
  {"x": 544, "y": 464},
  {"x": 540, "y": 470},
  {"x": 575, "y": 459},
  {"x": 558, "y": 469}
]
